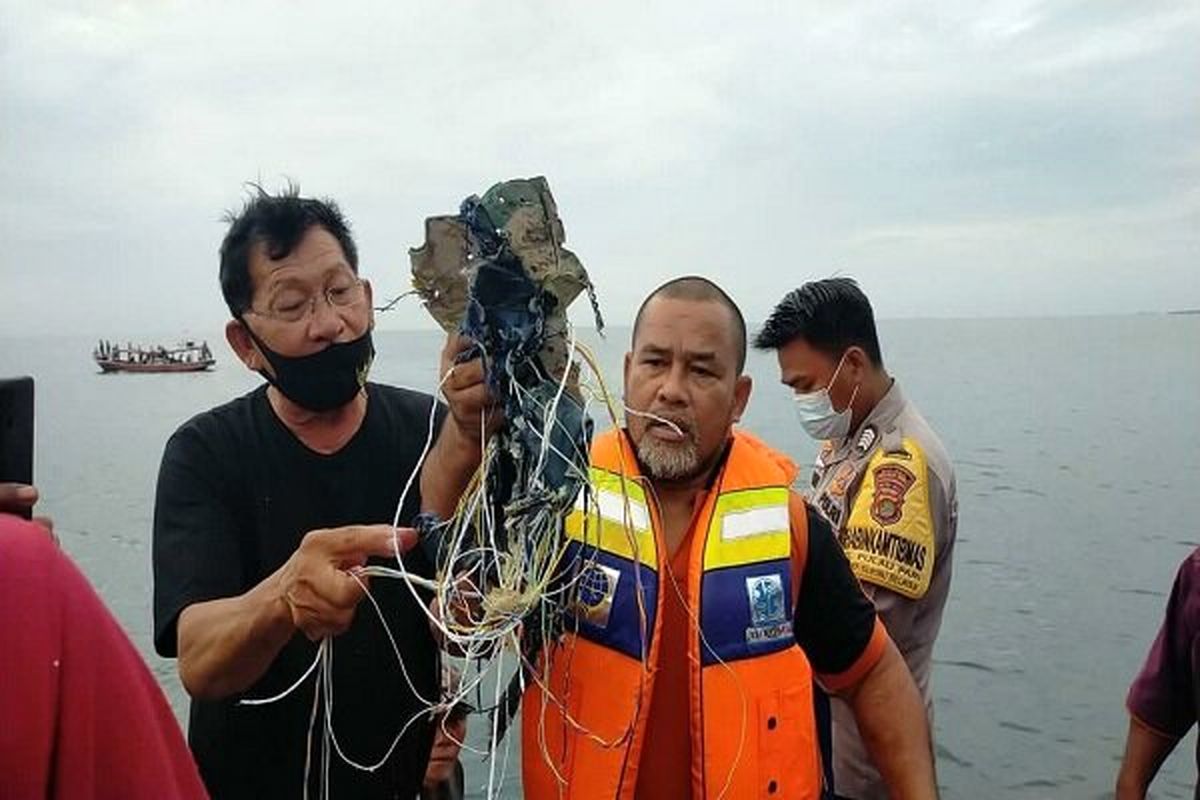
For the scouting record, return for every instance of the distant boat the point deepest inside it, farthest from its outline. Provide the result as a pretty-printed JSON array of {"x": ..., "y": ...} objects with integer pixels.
[{"x": 183, "y": 357}]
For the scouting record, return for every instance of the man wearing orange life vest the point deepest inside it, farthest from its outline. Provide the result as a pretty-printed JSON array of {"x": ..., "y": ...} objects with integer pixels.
[{"x": 706, "y": 597}]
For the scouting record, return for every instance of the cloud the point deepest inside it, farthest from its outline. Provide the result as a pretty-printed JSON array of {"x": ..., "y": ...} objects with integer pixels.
[{"x": 943, "y": 153}]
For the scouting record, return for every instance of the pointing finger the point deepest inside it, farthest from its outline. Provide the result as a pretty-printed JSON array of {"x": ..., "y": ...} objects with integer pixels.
[{"x": 359, "y": 542}]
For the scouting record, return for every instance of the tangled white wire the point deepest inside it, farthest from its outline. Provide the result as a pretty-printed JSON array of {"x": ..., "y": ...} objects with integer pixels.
[{"x": 488, "y": 583}]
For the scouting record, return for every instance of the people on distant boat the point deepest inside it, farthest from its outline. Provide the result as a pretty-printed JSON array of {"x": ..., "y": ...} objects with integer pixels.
[{"x": 109, "y": 354}]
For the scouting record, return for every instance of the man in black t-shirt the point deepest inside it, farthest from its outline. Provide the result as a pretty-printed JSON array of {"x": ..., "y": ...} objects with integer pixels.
[{"x": 266, "y": 503}]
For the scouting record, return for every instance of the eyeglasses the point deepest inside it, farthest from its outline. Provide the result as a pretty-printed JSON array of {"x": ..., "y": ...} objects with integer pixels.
[{"x": 293, "y": 305}]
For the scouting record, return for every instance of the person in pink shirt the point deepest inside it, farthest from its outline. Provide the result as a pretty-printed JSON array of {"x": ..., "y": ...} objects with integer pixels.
[{"x": 83, "y": 717}]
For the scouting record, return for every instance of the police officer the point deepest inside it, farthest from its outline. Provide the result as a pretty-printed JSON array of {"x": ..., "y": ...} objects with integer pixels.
[{"x": 882, "y": 478}]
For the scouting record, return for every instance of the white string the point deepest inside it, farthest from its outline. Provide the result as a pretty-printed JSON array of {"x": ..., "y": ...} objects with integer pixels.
[
  {"x": 654, "y": 417},
  {"x": 495, "y": 577},
  {"x": 262, "y": 701}
]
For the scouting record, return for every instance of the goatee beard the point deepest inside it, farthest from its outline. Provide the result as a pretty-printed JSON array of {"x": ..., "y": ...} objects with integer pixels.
[{"x": 668, "y": 461}]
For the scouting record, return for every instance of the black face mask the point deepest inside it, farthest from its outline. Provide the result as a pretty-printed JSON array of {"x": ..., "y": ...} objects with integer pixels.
[{"x": 322, "y": 381}]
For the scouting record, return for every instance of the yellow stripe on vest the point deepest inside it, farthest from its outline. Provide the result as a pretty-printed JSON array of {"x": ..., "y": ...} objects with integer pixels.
[
  {"x": 747, "y": 527},
  {"x": 617, "y": 519}
]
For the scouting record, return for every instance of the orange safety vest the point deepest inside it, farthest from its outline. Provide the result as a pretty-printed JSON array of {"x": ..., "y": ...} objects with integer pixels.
[{"x": 752, "y": 727}]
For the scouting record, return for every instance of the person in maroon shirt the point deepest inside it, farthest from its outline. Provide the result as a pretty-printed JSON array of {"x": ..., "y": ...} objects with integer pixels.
[
  {"x": 82, "y": 715},
  {"x": 1165, "y": 697}
]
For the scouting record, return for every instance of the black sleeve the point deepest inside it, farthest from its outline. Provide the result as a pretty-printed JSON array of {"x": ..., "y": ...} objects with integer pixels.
[
  {"x": 411, "y": 440},
  {"x": 834, "y": 620},
  {"x": 196, "y": 551}
]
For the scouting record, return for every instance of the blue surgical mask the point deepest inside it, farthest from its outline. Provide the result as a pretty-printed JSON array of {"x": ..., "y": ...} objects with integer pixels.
[{"x": 817, "y": 415}]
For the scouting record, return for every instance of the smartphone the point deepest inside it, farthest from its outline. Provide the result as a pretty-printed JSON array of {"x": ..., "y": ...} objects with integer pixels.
[{"x": 16, "y": 432}]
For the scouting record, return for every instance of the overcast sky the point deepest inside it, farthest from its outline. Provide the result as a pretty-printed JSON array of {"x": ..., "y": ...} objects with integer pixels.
[{"x": 959, "y": 159}]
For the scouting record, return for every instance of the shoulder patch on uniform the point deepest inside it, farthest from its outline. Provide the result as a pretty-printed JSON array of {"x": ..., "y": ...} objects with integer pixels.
[
  {"x": 889, "y": 535},
  {"x": 892, "y": 482}
]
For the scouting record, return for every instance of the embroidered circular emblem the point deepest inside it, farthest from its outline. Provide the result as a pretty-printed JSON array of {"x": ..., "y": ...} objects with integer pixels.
[{"x": 892, "y": 482}]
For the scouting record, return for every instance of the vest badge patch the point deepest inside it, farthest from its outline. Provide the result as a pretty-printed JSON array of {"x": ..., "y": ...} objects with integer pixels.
[
  {"x": 594, "y": 593},
  {"x": 768, "y": 610}
]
